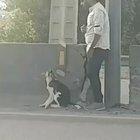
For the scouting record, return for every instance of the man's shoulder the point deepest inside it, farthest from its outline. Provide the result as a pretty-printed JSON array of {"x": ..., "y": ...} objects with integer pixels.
[
  {"x": 99, "y": 11},
  {"x": 100, "y": 8}
]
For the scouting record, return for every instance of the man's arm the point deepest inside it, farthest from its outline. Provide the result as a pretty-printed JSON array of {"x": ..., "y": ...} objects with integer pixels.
[
  {"x": 83, "y": 29},
  {"x": 98, "y": 28},
  {"x": 95, "y": 41}
]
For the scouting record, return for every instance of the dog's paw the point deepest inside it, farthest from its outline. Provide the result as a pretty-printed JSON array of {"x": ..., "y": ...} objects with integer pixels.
[
  {"x": 41, "y": 105},
  {"x": 46, "y": 106}
]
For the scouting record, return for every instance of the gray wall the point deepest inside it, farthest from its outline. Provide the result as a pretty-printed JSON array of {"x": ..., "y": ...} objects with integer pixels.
[{"x": 21, "y": 66}]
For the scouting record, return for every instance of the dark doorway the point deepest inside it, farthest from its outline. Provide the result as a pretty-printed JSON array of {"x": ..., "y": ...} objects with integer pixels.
[{"x": 82, "y": 15}]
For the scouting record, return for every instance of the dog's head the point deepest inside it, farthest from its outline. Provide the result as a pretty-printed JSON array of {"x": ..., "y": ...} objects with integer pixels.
[{"x": 49, "y": 76}]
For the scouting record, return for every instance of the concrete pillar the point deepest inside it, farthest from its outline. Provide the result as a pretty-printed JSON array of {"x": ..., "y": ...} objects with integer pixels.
[
  {"x": 63, "y": 21},
  {"x": 112, "y": 70}
]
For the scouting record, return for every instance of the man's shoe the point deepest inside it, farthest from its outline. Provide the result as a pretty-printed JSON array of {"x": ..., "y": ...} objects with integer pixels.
[
  {"x": 82, "y": 104},
  {"x": 101, "y": 109}
]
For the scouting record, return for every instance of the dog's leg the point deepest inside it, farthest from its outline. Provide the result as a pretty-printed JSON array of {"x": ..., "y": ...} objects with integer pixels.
[
  {"x": 49, "y": 101},
  {"x": 50, "y": 98},
  {"x": 56, "y": 95},
  {"x": 85, "y": 88},
  {"x": 56, "y": 98},
  {"x": 42, "y": 105},
  {"x": 48, "y": 78}
]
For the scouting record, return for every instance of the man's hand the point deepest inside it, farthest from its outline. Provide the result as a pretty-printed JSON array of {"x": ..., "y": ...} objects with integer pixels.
[
  {"x": 83, "y": 29},
  {"x": 96, "y": 39}
]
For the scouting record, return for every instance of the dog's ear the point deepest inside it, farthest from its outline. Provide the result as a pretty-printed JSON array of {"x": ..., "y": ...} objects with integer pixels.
[
  {"x": 49, "y": 72},
  {"x": 53, "y": 74}
]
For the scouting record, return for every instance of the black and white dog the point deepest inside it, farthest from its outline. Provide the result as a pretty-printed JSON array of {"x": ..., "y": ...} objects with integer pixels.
[
  {"x": 50, "y": 99},
  {"x": 59, "y": 94},
  {"x": 64, "y": 98}
]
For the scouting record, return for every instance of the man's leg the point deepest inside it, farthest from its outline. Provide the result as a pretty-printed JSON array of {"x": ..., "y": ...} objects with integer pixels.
[
  {"x": 85, "y": 89},
  {"x": 93, "y": 69},
  {"x": 96, "y": 88}
]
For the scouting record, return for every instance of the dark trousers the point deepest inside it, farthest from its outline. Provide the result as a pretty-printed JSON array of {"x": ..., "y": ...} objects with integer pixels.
[{"x": 93, "y": 69}]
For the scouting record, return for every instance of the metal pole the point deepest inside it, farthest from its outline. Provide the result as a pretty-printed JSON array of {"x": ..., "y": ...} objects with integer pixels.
[{"x": 112, "y": 66}]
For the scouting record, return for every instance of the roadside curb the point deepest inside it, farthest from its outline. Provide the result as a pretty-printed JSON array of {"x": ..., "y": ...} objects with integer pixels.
[{"x": 72, "y": 118}]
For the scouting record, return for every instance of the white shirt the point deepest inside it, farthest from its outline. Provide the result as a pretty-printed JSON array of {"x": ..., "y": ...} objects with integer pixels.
[{"x": 98, "y": 23}]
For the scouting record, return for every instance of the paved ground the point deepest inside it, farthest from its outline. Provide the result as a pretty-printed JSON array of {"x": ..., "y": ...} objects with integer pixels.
[{"x": 39, "y": 127}]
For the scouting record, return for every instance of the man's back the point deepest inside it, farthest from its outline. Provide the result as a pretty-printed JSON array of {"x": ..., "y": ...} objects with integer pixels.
[{"x": 98, "y": 23}]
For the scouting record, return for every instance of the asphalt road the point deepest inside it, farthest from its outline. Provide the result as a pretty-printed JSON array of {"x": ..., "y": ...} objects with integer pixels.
[{"x": 22, "y": 127}]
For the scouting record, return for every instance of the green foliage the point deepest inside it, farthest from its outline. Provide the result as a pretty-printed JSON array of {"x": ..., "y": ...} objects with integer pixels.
[
  {"x": 18, "y": 28},
  {"x": 39, "y": 13},
  {"x": 28, "y": 21}
]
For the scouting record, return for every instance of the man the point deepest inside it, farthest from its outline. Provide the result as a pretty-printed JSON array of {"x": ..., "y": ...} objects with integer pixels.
[{"x": 98, "y": 43}]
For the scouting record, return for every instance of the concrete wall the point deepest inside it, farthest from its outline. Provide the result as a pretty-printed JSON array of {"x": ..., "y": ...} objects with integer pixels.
[{"x": 21, "y": 66}]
